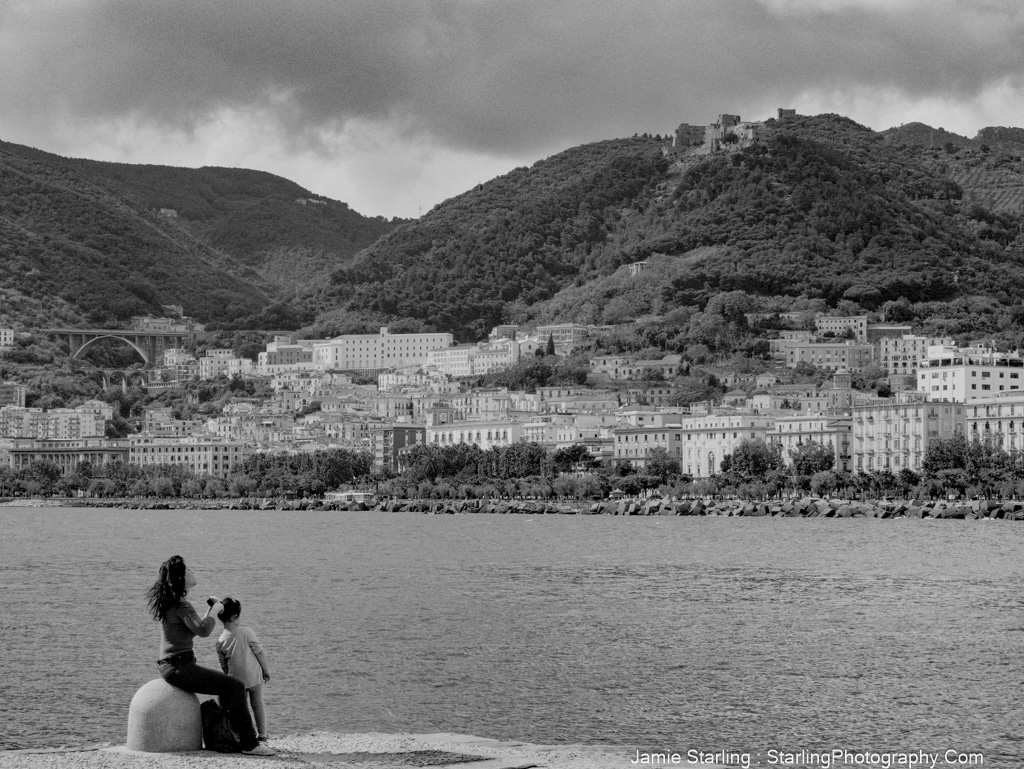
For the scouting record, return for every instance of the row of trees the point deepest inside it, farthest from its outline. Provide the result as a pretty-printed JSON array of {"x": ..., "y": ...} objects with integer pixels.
[
  {"x": 527, "y": 470},
  {"x": 260, "y": 474}
]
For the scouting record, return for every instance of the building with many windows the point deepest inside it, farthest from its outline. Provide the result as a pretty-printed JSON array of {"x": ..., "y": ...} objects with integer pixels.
[
  {"x": 390, "y": 439},
  {"x": 202, "y": 454},
  {"x": 841, "y": 325},
  {"x": 370, "y": 354},
  {"x": 833, "y": 432},
  {"x": 699, "y": 443},
  {"x": 830, "y": 356},
  {"x": 968, "y": 374},
  {"x": 286, "y": 354},
  {"x": 486, "y": 434},
  {"x": 894, "y": 433},
  {"x": 901, "y": 356},
  {"x": 12, "y": 394},
  {"x": 997, "y": 421},
  {"x": 66, "y": 454}
]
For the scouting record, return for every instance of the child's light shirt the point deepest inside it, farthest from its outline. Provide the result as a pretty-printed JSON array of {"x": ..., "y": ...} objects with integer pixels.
[{"x": 238, "y": 649}]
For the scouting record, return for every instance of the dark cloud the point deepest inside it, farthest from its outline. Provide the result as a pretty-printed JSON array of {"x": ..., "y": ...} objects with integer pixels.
[{"x": 494, "y": 77}]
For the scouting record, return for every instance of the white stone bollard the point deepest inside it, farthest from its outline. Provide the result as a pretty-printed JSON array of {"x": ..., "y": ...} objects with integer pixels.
[{"x": 164, "y": 719}]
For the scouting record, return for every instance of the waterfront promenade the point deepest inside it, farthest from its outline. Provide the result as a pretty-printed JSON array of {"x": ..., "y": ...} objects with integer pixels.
[{"x": 372, "y": 751}]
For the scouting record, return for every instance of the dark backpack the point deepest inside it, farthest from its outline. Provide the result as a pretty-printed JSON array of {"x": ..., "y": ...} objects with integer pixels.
[{"x": 217, "y": 732}]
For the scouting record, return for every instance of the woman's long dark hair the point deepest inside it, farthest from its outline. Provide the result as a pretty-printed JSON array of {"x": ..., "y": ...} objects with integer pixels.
[{"x": 169, "y": 589}]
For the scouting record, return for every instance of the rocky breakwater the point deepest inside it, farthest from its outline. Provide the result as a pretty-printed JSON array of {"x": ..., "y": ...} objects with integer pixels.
[{"x": 803, "y": 507}]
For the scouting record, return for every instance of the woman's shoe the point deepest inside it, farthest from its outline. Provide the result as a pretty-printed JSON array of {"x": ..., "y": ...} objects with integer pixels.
[{"x": 260, "y": 750}]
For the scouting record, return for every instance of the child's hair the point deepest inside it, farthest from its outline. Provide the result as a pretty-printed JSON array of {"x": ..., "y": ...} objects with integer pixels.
[{"x": 232, "y": 609}]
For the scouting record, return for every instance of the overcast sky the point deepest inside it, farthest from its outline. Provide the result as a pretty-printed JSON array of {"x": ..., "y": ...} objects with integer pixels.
[{"x": 396, "y": 105}]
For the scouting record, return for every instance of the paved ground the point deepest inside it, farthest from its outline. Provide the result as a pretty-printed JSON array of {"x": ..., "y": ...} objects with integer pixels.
[{"x": 333, "y": 751}]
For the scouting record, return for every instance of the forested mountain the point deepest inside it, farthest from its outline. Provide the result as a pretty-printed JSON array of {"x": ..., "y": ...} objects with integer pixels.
[
  {"x": 291, "y": 237},
  {"x": 85, "y": 241},
  {"x": 823, "y": 208}
]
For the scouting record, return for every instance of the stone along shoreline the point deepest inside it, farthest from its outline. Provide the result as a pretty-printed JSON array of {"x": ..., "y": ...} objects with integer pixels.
[{"x": 802, "y": 507}]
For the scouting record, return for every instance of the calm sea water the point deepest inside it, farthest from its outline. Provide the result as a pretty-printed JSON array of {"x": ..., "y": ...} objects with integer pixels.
[{"x": 665, "y": 633}]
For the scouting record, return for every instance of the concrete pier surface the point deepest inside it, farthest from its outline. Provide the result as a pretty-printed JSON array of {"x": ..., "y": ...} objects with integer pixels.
[{"x": 359, "y": 751}]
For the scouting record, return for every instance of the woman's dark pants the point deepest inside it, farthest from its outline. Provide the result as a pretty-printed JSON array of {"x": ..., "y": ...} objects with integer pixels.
[{"x": 231, "y": 691}]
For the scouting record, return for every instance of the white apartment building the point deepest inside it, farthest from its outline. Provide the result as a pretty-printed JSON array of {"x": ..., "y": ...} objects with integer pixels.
[
  {"x": 968, "y": 374},
  {"x": 902, "y": 356},
  {"x": 369, "y": 354},
  {"x": 634, "y": 444},
  {"x": 175, "y": 357},
  {"x": 214, "y": 363},
  {"x": 434, "y": 382},
  {"x": 494, "y": 356},
  {"x": 699, "y": 443},
  {"x": 486, "y": 434},
  {"x": 6, "y": 337},
  {"x": 452, "y": 361},
  {"x": 54, "y": 424},
  {"x": 894, "y": 434},
  {"x": 240, "y": 367},
  {"x": 203, "y": 455},
  {"x": 834, "y": 433},
  {"x": 474, "y": 360},
  {"x": 566, "y": 336},
  {"x": 707, "y": 440},
  {"x": 286, "y": 354},
  {"x": 997, "y": 421}
]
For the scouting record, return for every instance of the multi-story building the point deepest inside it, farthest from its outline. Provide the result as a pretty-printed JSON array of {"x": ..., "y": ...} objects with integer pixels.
[
  {"x": 879, "y": 331},
  {"x": 474, "y": 360},
  {"x": 840, "y": 325},
  {"x": 968, "y": 374},
  {"x": 707, "y": 440},
  {"x": 214, "y": 363},
  {"x": 434, "y": 382},
  {"x": 149, "y": 323},
  {"x": 635, "y": 444},
  {"x": 832, "y": 432},
  {"x": 203, "y": 455},
  {"x": 6, "y": 338},
  {"x": 997, "y": 421},
  {"x": 390, "y": 439},
  {"x": 452, "y": 361},
  {"x": 567, "y": 336},
  {"x": 830, "y": 356},
  {"x": 615, "y": 367},
  {"x": 67, "y": 453},
  {"x": 486, "y": 434},
  {"x": 88, "y": 421},
  {"x": 12, "y": 394},
  {"x": 902, "y": 355},
  {"x": 700, "y": 443},
  {"x": 286, "y": 354},
  {"x": 370, "y": 354},
  {"x": 894, "y": 433}
]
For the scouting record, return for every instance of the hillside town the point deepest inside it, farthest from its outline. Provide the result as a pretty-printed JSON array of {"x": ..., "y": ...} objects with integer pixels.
[{"x": 427, "y": 392}]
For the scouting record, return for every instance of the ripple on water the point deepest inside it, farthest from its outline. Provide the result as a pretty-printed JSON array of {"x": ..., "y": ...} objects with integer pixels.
[{"x": 704, "y": 633}]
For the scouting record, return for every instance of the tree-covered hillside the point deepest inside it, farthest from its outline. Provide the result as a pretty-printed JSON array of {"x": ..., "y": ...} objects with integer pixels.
[
  {"x": 73, "y": 251},
  {"x": 518, "y": 238},
  {"x": 253, "y": 216},
  {"x": 85, "y": 242},
  {"x": 822, "y": 208}
]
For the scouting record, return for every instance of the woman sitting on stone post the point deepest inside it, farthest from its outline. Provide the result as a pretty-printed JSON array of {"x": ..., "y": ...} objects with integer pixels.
[{"x": 179, "y": 624}]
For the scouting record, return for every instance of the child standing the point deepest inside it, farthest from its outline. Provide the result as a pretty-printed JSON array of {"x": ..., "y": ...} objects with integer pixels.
[{"x": 241, "y": 656}]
